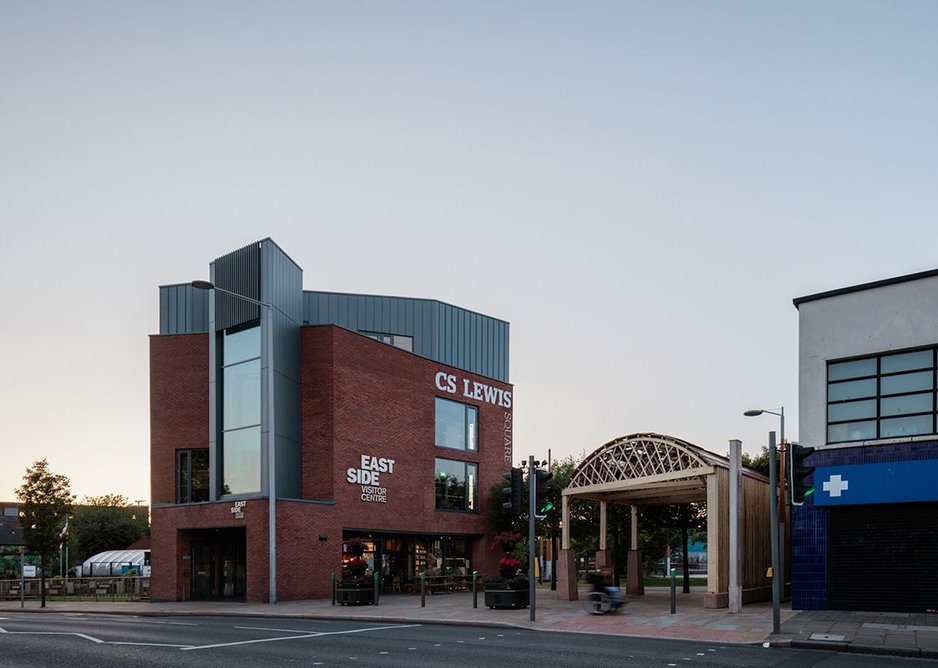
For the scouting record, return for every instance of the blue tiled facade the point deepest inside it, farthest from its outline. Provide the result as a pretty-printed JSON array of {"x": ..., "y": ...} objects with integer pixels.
[{"x": 810, "y": 523}]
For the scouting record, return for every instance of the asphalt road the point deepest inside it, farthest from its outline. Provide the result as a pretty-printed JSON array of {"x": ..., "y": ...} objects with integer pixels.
[{"x": 32, "y": 640}]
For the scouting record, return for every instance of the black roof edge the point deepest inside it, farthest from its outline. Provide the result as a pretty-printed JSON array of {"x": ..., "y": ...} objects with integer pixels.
[{"x": 931, "y": 273}]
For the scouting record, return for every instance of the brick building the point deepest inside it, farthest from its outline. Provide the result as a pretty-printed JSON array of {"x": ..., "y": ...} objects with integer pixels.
[
  {"x": 393, "y": 422},
  {"x": 867, "y": 537}
]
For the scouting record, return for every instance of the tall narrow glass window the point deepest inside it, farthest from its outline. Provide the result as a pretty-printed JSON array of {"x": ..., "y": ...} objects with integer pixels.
[{"x": 241, "y": 410}]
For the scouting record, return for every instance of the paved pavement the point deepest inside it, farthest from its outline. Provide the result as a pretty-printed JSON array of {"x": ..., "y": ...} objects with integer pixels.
[{"x": 899, "y": 634}]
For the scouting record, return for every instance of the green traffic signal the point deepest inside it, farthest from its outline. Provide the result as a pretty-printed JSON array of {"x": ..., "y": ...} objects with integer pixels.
[
  {"x": 542, "y": 504},
  {"x": 799, "y": 473},
  {"x": 514, "y": 492}
]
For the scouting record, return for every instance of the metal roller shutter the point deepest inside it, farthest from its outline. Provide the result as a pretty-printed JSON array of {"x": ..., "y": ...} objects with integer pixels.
[{"x": 884, "y": 557}]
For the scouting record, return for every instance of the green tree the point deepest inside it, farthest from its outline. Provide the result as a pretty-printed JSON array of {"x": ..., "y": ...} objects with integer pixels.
[
  {"x": 584, "y": 516},
  {"x": 758, "y": 462},
  {"x": 46, "y": 501},
  {"x": 107, "y": 522},
  {"x": 670, "y": 525}
]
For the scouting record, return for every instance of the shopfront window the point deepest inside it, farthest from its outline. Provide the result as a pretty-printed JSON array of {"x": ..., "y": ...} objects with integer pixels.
[
  {"x": 450, "y": 556},
  {"x": 456, "y": 485},
  {"x": 456, "y": 425}
]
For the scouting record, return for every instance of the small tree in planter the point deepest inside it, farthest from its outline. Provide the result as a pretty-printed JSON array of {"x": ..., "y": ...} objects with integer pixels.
[
  {"x": 355, "y": 588},
  {"x": 508, "y": 590}
]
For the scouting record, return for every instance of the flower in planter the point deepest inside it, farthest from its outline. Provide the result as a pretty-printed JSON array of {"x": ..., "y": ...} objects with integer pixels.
[
  {"x": 509, "y": 563},
  {"x": 357, "y": 566},
  {"x": 508, "y": 567},
  {"x": 356, "y": 547},
  {"x": 506, "y": 541}
]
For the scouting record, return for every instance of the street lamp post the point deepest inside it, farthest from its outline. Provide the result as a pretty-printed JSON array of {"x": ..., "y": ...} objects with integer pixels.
[
  {"x": 271, "y": 440},
  {"x": 783, "y": 448},
  {"x": 778, "y": 575}
]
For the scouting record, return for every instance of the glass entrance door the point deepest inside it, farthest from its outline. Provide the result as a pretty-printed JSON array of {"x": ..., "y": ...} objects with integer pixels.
[
  {"x": 219, "y": 565},
  {"x": 203, "y": 569}
]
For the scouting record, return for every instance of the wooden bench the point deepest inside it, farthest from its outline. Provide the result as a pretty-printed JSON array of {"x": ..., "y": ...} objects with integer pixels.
[{"x": 437, "y": 585}]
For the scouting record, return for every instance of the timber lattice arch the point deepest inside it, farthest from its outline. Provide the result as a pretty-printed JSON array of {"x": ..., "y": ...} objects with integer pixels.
[{"x": 654, "y": 469}]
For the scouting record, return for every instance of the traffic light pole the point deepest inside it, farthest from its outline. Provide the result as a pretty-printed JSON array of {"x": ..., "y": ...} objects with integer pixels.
[
  {"x": 777, "y": 576},
  {"x": 532, "y": 497}
]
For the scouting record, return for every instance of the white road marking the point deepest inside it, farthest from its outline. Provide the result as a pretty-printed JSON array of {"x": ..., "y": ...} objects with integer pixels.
[
  {"x": 52, "y": 633},
  {"x": 145, "y": 644},
  {"x": 264, "y": 628},
  {"x": 176, "y": 623},
  {"x": 309, "y": 635}
]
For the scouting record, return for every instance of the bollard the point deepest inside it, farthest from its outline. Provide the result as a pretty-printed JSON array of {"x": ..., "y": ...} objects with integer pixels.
[
  {"x": 377, "y": 593},
  {"x": 475, "y": 591},
  {"x": 333, "y": 587},
  {"x": 423, "y": 590},
  {"x": 673, "y": 590}
]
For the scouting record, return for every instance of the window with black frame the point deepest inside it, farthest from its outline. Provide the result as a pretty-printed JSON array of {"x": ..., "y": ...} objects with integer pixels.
[
  {"x": 883, "y": 396},
  {"x": 397, "y": 340},
  {"x": 456, "y": 425},
  {"x": 192, "y": 475},
  {"x": 457, "y": 485}
]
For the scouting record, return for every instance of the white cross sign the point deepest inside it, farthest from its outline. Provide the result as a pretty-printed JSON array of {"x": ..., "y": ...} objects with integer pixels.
[{"x": 835, "y": 485}]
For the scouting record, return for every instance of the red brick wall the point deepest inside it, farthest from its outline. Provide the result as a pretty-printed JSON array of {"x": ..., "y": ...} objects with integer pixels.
[
  {"x": 178, "y": 406},
  {"x": 372, "y": 399},
  {"x": 174, "y": 527},
  {"x": 358, "y": 397}
]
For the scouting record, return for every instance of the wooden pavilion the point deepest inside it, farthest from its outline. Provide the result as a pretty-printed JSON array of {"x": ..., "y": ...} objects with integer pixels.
[{"x": 655, "y": 469}]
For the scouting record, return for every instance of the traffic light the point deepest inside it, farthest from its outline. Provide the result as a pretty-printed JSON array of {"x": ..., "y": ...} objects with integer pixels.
[
  {"x": 799, "y": 472},
  {"x": 541, "y": 503},
  {"x": 514, "y": 492}
]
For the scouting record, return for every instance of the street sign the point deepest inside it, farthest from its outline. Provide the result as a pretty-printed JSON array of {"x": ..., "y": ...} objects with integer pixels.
[
  {"x": 29, "y": 570},
  {"x": 889, "y": 482}
]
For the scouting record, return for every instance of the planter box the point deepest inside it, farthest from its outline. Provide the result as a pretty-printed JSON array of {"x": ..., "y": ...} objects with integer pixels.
[
  {"x": 506, "y": 598},
  {"x": 355, "y": 596}
]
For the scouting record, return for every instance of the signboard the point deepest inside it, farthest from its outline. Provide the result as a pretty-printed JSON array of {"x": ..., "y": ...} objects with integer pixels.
[
  {"x": 29, "y": 570},
  {"x": 369, "y": 477},
  {"x": 889, "y": 482},
  {"x": 237, "y": 510},
  {"x": 452, "y": 384}
]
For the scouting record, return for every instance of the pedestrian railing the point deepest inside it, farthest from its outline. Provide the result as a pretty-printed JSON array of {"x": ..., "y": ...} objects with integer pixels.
[{"x": 78, "y": 589}]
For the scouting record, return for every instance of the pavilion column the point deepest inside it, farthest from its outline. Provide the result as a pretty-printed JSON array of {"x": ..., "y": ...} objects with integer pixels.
[
  {"x": 635, "y": 578},
  {"x": 566, "y": 564},
  {"x": 603, "y": 524},
  {"x": 603, "y": 555}
]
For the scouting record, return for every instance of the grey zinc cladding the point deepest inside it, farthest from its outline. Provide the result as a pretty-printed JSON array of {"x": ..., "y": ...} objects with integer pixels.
[
  {"x": 444, "y": 333},
  {"x": 441, "y": 332},
  {"x": 183, "y": 309}
]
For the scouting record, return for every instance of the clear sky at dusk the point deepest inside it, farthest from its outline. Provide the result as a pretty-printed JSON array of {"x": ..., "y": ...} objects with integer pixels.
[{"x": 639, "y": 188}]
